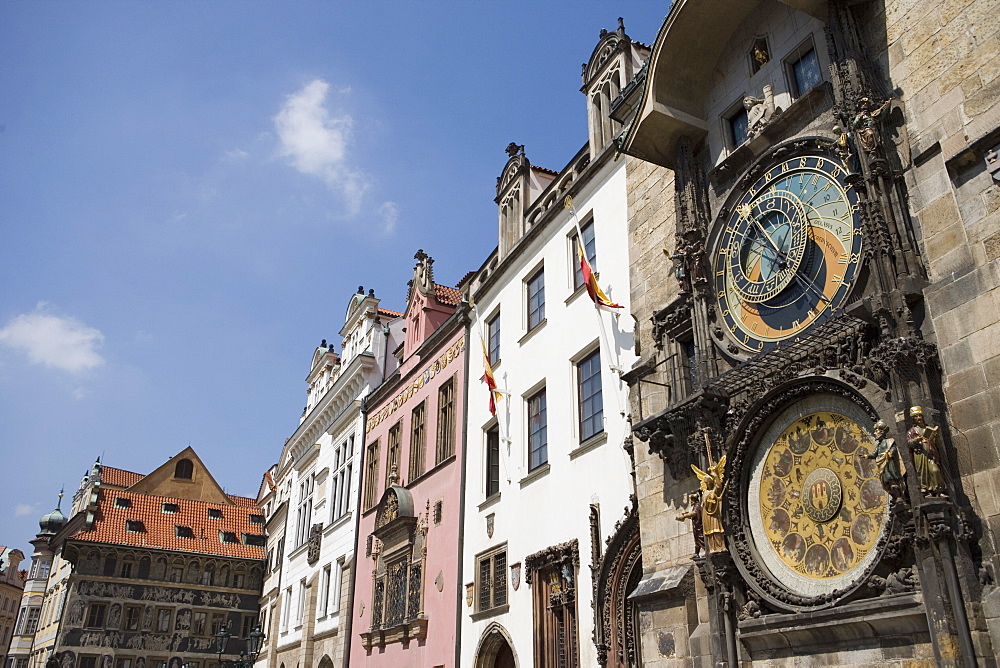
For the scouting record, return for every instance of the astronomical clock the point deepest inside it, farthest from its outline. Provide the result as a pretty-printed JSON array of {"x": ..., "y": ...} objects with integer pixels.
[
  {"x": 786, "y": 255},
  {"x": 788, "y": 252}
]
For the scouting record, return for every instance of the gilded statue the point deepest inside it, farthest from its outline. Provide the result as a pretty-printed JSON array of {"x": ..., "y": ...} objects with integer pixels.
[
  {"x": 694, "y": 514},
  {"x": 924, "y": 441},
  {"x": 865, "y": 124},
  {"x": 712, "y": 486},
  {"x": 889, "y": 466}
]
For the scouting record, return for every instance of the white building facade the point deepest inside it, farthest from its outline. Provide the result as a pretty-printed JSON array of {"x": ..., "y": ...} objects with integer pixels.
[
  {"x": 547, "y": 477},
  {"x": 310, "y": 496}
]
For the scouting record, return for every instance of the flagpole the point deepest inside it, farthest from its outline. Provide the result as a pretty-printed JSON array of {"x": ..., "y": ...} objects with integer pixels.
[
  {"x": 568, "y": 205},
  {"x": 502, "y": 393}
]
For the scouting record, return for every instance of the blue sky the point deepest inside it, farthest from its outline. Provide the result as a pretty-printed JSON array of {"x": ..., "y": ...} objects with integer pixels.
[{"x": 191, "y": 191}]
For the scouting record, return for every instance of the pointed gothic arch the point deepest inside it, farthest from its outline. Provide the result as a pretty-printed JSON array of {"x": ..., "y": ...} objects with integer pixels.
[
  {"x": 616, "y": 626},
  {"x": 495, "y": 649}
]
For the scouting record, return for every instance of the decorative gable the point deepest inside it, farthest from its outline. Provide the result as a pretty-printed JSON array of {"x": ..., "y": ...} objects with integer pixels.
[{"x": 183, "y": 476}]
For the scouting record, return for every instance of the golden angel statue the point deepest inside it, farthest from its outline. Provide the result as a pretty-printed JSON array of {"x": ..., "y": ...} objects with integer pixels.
[{"x": 712, "y": 485}]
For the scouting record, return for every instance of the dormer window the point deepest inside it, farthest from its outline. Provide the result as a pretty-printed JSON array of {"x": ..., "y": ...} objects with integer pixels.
[
  {"x": 256, "y": 519},
  {"x": 183, "y": 532},
  {"x": 170, "y": 508},
  {"x": 184, "y": 469},
  {"x": 214, "y": 514},
  {"x": 228, "y": 537},
  {"x": 135, "y": 526},
  {"x": 122, "y": 502}
]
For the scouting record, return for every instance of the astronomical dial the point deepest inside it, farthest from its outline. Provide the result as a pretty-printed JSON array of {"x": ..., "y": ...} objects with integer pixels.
[
  {"x": 790, "y": 252},
  {"x": 817, "y": 507}
]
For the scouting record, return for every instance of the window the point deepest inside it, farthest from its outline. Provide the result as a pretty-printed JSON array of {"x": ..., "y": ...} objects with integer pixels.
[
  {"x": 123, "y": 663},
  {"x": 446, "y": 421},
  {"x": 287, "y": 612},
  {"x": 493, "y": 339},
  {"x": 239, "y": 580},
  {"x": 122, "y": 502},
  {"x": 588, "y": 378},
  {"x": 133, "y": 613},
  {"x": 492, "y": 461},
  {"x": 199, "y": 622},
  {"x": 418, "y": 439},
  {"x": 214, "y": 514},
  {"x": 87, "y": 662},
  {"x": 183, "y": 532},
  {"x": 169, "y": 508},
  {"x": 336, "y": 584},
  {"x": 397, "y": 587},
  {"x": 126, "y": 569},
  {"x": 135, "y": 526},
  {"x": 304, "y": 516},
  {"x": 218, "y": 621},
  {"x": 256, "y": 519},
  {"x": 184, "y": 469},
  {"x": 208, "y": 575},
  {"x": 29, "y": 620},
  {"x": 176, "y": 573},
  {"x": 535, "y": 287},
  {"x": 589, "y": 248},
  {"x": 96, "y": 615},
  {"x": 227, "y": 537},
  {"x": 302, "y": 602},
  {"x": 254, "y": 539},
  {"x": 340, "y": 492},
  {"x": 324, "y": 592},
  {"x": 538, "y": 439},
  {"x": 392, "y": 455},
  {"x": 247, "y": 625},
  {"x": 491, "y": 580},
  {"x": 371, "y": 475},
  {"x": 163, "y": 619},
  {"x": 738, "y": 124},
  {"x": 805, "y": 72}
]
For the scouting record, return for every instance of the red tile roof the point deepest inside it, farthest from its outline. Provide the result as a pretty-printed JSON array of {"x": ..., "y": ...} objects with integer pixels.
[
  {"x": 446, "y": 295},
  {"x": 119, "y": 477},
  {"x": 270, "y": 481},
  {"x": 385, "y": 311},
  {"x": 466, "y": 278},
  {"x": 160, "y": 532},
  {"x": 545, "y": 170}
]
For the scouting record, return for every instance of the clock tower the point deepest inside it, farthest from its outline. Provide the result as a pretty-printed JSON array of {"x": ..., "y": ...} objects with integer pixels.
[{"x": 792, "y": 381}]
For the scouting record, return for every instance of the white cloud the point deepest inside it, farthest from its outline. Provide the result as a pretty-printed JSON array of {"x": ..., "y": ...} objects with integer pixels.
[
  {"x": 390, "y": 214},
  {"x": 316, "y": 142},
  {"x": 22, "y": 509},
  {"x": 80, "y": 393},
  {"x": 237, "y": 154},
  {"x": 55, "y": 341}
]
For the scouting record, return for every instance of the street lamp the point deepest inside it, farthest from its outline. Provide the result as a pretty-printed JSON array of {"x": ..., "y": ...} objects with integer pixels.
[{"x": 248, "y": 655}]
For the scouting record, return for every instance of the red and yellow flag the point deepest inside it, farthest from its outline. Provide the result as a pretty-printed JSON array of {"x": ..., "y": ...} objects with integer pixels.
[
  {"x": 593, "y": 289},
  {"x": 490, "y": 381}
]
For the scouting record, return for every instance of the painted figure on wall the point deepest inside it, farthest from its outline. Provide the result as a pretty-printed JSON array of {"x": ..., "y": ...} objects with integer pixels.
[{"x": 925, "y": 445}]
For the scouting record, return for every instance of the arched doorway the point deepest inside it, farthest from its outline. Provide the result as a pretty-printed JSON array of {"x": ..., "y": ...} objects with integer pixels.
[{"x": 495, "y": 649}]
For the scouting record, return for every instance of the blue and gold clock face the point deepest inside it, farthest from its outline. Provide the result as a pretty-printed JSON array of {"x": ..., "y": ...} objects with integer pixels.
[{"x": 789, "y": 254}]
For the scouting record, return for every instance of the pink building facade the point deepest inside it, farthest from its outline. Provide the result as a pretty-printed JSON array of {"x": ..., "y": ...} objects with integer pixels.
[{"x": 408, "y": 590}]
